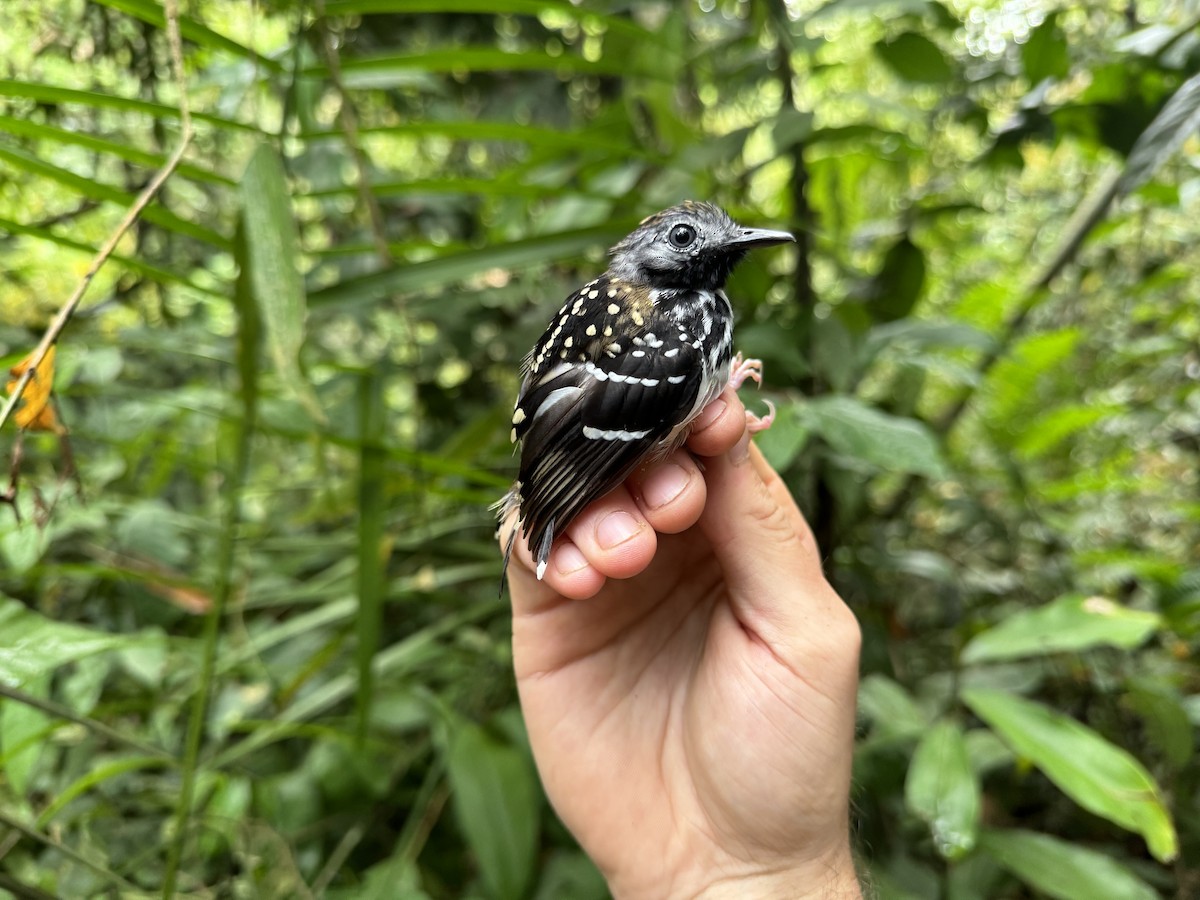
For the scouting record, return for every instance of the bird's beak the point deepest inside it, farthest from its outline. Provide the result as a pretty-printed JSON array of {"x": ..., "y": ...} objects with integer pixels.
[{"x": 747, "y": 238}]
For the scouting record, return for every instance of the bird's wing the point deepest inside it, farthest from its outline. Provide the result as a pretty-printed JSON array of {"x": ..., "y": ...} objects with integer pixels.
[{"x": 600, "y": 395}]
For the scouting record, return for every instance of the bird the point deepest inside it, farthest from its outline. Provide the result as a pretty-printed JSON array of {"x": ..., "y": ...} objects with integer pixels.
[{"x": 624, "y": 367}]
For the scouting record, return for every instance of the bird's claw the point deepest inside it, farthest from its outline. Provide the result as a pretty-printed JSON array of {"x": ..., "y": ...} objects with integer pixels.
[
  {"x": 745, "y": 368},
  {"x": 754, "y": 424}
]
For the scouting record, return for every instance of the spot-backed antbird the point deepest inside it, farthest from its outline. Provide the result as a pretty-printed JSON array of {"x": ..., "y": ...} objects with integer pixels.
[{"x": 627, "y": 363}]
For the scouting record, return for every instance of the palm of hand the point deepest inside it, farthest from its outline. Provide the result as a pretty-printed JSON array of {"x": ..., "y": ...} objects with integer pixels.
[{"x": 675, "y": 734}]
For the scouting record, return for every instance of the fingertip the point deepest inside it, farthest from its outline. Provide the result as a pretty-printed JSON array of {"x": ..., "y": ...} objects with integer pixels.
[
  {"x": 670, "y": 494},
  {"x": 614, "y": 536},
  {"x": 569, "y": 573},
  {"x": 718, "y": 428}
]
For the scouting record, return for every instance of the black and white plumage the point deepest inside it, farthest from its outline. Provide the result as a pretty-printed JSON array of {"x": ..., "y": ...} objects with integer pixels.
[{"x": 625, "y": 365}]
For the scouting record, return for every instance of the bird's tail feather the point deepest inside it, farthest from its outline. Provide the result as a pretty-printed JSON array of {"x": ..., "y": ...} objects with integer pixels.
[
  {"x": 504, "y": 508},
  {"x": 543, "y": 550}
]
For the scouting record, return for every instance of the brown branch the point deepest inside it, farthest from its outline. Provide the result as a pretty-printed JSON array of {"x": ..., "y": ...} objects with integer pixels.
[{"x": 68, "y": 309}]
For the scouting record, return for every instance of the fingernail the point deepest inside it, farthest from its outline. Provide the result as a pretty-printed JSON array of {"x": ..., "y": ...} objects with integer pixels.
[
  {"x": 711, "y": 413},
  {"x": 664, "y": 485},
  {"x": 616, "y": 529},
  {"x": 569, "y": 558},
  {"x": 741, "y": 450}
]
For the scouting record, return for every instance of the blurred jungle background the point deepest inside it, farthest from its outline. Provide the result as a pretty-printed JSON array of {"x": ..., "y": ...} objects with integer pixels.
[{"x": 250, "y": 643}]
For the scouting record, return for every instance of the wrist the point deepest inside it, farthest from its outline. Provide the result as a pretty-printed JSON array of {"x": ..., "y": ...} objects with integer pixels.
[
  {"x": 830, "y": 878},
  {"x": 833, "y": 878}
]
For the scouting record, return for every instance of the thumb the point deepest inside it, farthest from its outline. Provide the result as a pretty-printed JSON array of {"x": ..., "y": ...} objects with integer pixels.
[{"x": 765, "y": 548}]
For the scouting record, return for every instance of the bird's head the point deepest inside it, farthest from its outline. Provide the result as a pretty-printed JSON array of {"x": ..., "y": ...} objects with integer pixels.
[{"x": 691, "y": 246}]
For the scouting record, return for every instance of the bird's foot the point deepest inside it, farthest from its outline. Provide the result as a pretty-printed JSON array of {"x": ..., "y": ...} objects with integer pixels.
[
  {"x": 754, "y": 424},
  {"x": 745, "y": 368}
]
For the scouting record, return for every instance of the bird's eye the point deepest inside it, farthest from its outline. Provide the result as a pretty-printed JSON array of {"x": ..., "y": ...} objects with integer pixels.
[{"x": 681, "y": 236}]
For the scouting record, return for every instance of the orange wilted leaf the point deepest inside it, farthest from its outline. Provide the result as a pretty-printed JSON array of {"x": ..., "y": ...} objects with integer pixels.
[{"x": 36, "y": 413}]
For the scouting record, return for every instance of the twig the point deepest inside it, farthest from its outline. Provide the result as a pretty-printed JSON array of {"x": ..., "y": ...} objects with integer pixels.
[
  {"x": 61, "y": 712},
  {"x": 337, "y": 859},
  {"x": 68, "y": 309},
  {"x": 32, "y": 834},
  {"x": 22, "y": 891}
]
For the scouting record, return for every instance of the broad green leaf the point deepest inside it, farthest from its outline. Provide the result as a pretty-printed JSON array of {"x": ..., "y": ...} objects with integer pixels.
[
  {"x": 943, "y": 789},
  {"x": 1096, "y": 774},
  {"x": 1175, "y": 123},
  {"x": 1067, "y": 624},
  {"x": 22, "y": 545},
  {"x": 23, "y": 733},
  {"x": 496, "y": 800},
  {"x": 915, "y": 58},
  {"x": 892, "y": 443},
  {"x": 1062, "y": 869},
  {"x": 32, "y": 645},
  {"x": 1044, "y": 55},
  {"x": 899, "y": 284},
  {"x": 273, "y": 251}
]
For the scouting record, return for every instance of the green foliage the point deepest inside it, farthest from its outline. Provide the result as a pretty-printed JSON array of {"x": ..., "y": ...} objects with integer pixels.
[
  {"x": 251, "y": 644},
  {"x": 943, "y": 790}
]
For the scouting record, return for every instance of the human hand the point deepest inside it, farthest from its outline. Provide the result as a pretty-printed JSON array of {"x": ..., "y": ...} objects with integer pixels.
[{"x": 688, "y": 680}]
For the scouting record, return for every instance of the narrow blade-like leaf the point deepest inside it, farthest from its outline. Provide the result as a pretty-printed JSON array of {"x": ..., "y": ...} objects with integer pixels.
[
  {"x": 1178, "y": 120},
  {"x": 1096, "y": 774},
  {"x": 943, "y": 789},
  {"x": 273, "y": 252},
  {"x": 1068, "y": 624},
  {"x": 496, "y": 799},
  {"x": 1063, "y": 870}
]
